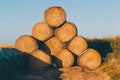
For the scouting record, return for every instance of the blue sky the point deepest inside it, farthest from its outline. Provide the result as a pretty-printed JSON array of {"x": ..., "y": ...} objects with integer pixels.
[{"x": 93, "y": 18}]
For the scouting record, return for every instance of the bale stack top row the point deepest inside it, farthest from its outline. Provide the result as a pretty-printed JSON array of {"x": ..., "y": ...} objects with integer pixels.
[{"x": 55, "y": 41}]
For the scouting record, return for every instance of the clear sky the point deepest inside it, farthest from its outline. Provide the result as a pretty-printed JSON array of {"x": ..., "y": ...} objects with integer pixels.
[{"x": 93, "y": 18}]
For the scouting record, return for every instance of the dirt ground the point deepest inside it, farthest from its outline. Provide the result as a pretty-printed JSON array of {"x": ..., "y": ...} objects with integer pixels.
[{"x": 71, "y": 73}]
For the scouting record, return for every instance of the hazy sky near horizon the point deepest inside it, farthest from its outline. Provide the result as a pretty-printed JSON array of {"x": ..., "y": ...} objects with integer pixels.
[{"x": 93, "y": 18}]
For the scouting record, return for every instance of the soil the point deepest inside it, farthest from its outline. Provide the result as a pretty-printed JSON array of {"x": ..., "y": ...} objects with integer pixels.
[{"x": 71, "y": 73}]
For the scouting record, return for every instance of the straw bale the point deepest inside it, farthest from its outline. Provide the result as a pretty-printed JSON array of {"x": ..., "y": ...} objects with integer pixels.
[
  {"x": 64, "y": 59},
  {"x": 26, "y": 43},
  {"x": 77, "y": 45},
  {"x": 55, "y": 16},
  {"x": 55, "y": 45},
  {"x": 42, "y": 31},
  {"x": 66, "y": 32},
  {"x": 90, "y": 58}
]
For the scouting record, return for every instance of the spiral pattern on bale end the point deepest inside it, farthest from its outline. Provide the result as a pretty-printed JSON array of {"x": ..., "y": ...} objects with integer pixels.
[
  {"x": 90, "y": 58},
  {"x": 66, "y": 32},
  {"x": 55, "y": 45},
  {"x": 42, "y": 31},
  {"x": 77, "y": 45},
  {"x": 26, "y": 43},
  {"x": 55, "y": 16}
]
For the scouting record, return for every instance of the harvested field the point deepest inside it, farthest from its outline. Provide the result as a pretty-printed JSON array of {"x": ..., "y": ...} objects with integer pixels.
[
  {"x": 102, "y": 63},
  {"x": 71, "y": 73},
  {"x": 55, "y": 45},
  {"x": 77, "y": 45},
  {"x": 7, "y": 45}
]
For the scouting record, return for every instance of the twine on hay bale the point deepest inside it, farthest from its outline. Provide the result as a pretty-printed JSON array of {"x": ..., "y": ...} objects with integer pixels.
[
  {"x": 66, "y": 32},
  {"x": 55, "y": 45},
  {"x": 42, "y": 31},
  {"x": 90, "y": 58},
  {"x": 39, "y": 59},
  {"x": 64, "y": 59},
  {"x": 55, "y": 16},
  {"x": 77, "y": 45},
  {"x": 26, "y": 43}
]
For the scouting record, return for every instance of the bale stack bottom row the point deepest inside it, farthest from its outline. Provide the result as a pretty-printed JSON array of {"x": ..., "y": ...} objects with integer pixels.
[{"x": 55, "y": 42}]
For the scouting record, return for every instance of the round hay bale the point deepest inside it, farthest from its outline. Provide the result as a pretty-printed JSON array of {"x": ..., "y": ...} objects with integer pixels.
[
  {"x": 90, "y": 58},
  {"x": 66, "y": 32},
  {"x": 26, "y": 43},
  {"x": 55, "y": 16},
  {"x": 64, "y": 59},
  {"x": 39, "y": 59},
  {"x": 55, "y": 45},
  {"x": 42, "y": 31},
  {"x": 77, "y": 45}
]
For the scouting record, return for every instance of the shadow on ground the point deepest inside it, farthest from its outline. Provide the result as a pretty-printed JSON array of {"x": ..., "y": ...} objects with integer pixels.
[
  {"x": 30, "y": 73},
  {"x": 35, "y": 73},
  {"x": 15, "y": 65}
]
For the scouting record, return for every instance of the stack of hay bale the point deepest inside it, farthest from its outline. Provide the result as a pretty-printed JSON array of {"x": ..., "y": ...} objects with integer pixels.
[{"x": 55, "y": 42}]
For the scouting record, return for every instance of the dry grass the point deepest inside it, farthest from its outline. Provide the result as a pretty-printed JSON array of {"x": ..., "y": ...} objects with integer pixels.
[
  {"x": 71, "y": 73},
  {"x": 7, "y": 45},
  {"x": 109, "y": 47}
]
